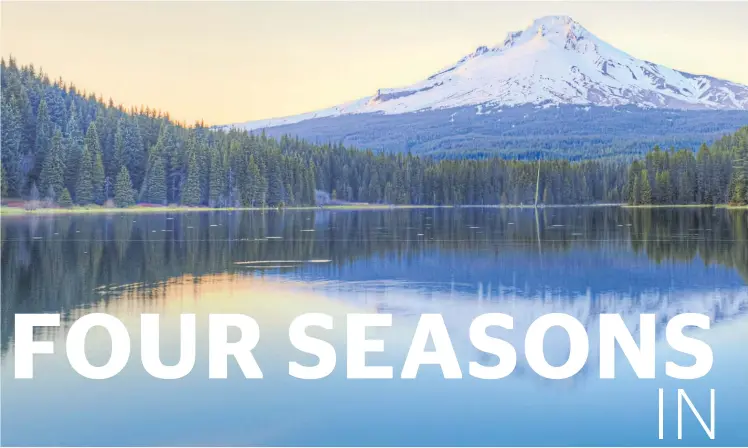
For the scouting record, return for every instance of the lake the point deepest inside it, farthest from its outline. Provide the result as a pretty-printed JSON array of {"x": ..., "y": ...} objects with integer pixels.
[{"x": 460, "y": 262}]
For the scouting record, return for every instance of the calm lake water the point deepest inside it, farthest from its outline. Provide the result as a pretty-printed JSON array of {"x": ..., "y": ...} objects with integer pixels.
[{"x": 458, "y": 262}]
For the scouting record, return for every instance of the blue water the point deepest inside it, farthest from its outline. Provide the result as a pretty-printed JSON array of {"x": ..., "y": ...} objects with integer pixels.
[{"x": 583, "y": 262}]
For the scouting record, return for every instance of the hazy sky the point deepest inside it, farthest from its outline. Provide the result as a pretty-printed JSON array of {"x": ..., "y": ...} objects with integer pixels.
[{"x": 234, "y": 61}]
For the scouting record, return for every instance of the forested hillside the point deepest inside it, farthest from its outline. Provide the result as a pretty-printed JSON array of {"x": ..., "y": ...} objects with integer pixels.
[
  {"x": 714, "y": 175},
  {"x": 523, "y": 132},
  {"x": 62, "y": 146}
]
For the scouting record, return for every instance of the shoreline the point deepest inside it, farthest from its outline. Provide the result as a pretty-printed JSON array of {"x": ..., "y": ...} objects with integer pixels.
[
  {"x": 651, "y": 206},
  {"x": 78, "y": 210}
]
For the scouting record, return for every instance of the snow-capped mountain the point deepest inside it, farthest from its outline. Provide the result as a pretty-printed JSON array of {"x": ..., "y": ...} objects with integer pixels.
[
  {"x": 549, "y": 90},
  {"x": 554, "y": 61}
]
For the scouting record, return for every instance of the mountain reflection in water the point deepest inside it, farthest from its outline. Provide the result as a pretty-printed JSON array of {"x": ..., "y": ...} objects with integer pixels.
[{"x": 457, "y": 262}]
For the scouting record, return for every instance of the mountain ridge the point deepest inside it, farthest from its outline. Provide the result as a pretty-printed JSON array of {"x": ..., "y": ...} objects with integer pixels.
[
  {"x": 552, "y": 90},
  {"x": 552, "y": 62}
]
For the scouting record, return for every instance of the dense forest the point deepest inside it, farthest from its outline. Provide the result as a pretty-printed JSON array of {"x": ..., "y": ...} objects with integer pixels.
[
  {"x": 526, "y": 132},
  {"x": 713, "y": 175},
  {"x": 62, "y": 146}
]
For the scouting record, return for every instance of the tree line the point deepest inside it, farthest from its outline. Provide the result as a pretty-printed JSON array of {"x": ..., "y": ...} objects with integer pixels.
[
  {"x": 62, "y": 146},
  {"x": 713, "y": 175}
]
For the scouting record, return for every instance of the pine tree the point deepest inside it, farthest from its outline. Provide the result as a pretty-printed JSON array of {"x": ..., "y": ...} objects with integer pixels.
[
  {"x": 740, "y": 173},
  {"x": 43, "y": 137},
  {"x": 84, "y": 192},
  {"x": 662, "y": 182},
  {"x": 73, "y": 149},
  {"x": 3, "y": 182},
  {"x": 258, "y": 185},
  {"x": 290, "y": 199},
  {"x": 739, "y": 194},
  {"x": 636, "y": 190},
  {"x": 52, "y": 178},
  {"x": 311, "y": 184},
  {"x": 217, "y": 179},
  {"x": 703, "y": 175},
  {"x": 155, "y": 186},
  {"x": 121, "y": 153},
  {"x": 137, "y": 161},
  {"x": 632, "y": 183},
  {"x": 128, "y": 149},
  {"x": 646, "y": 188},
  {"x": 12, "y": 156},
  {"x": 275, "y": 186},
  {"x": 98, "y": 180},
  {"x": 172, "y": 159},
  {"x": 56, "y": 106},
  {"x": 191, "y": 192},
  {"x": 123, "y": 193},
  {"x": 92, "y": 140},
  {"x": 65, "y": 200}
]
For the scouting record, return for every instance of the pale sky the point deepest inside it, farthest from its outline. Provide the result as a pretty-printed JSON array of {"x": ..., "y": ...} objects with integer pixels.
[{"x": 227, "y": 62}]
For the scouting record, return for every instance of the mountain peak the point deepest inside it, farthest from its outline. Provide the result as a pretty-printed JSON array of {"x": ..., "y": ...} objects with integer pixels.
[
  {"x": 553, "y": 21},
  {"x": 560, "y": 29},
  {"x": 553, "y": 61}
]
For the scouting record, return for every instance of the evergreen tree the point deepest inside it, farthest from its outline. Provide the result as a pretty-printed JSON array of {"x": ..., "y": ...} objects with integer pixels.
[
  {"x": 739, "y": 196},
  {"x": 128, "y": 149},
  {"x": 123, "y": 192},
  {"x": 73, "y": 148},
  {"x": 646, "y": 189},
  {"x": 155, "y": 189},
  {"x": 740, "y": 171},
  {"x": 170, "y": 152},
  {"x": 84, "y": 191},
  {"x": 191, "y": 192},
  {"x": 662, "y": 181},
  {"x": 91, "y": 141},
  {"x": 311, "y": 186},
  {"x": 137, "y": 158},
  {"x": 97, "y": 180},
  {"x": 56, "y": 106},
  {"x": 52, "y": 178},
  {"x": 258, "y": 185},
  {"x": 121, "y": 151},
  {"x": 12, "y": 157},
  {"x": 43, "y": 138},
  {"x": 275, "y": 186},
  {"x": 636, "y": 192},
  {"x": 4, "y": 182},
  {"x": 217, "y": 179},
  {"x": 704, "y": 172},
  {"x": 65, "y": 200}
]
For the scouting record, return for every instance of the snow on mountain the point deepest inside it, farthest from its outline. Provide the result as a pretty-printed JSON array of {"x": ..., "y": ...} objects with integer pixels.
[{"x": 554, "y": 61}]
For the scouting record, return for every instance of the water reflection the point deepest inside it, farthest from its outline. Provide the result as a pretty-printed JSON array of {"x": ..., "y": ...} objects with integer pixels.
[
  {"x": 61, "y": 263},
  {"x": 458, "y": 262}
]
